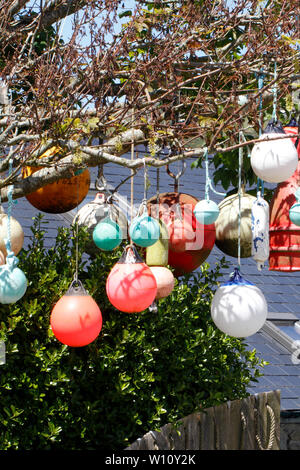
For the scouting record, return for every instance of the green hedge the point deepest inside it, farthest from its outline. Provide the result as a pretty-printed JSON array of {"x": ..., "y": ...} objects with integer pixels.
[{"x": 143, "y": 371}]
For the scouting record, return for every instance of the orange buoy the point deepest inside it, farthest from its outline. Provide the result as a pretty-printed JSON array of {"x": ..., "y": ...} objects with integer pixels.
[
  {"x": 190, "y": 242},
  {"x": 76, "y": 319},
  {"x": 284, "y": 234},
  {"x": 62, "y": 195}
]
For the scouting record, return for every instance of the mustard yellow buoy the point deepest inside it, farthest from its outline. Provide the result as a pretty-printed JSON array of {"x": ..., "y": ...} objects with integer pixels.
[
  {"x": 157, "y": 254},
  {"x": 62, "y": 195},
  {"x": 227, "y": 225}
]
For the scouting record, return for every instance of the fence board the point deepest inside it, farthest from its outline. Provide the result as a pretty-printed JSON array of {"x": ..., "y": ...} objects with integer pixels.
[
  {"x": 221, "y": 419},
  {"x": 207, "y": 430},
  {"x": 192, "y": 432},
  {"x": 162, "y": 438},
  {"x": 247, "y": 436},
  {"x": 177, "y": 436},
  {"x": 248, "y": 424},
  {"x": 235, "y": 422}
]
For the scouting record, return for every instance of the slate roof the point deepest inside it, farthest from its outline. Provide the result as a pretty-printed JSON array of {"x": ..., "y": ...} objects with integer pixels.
[{"x": 280, "y": 289}]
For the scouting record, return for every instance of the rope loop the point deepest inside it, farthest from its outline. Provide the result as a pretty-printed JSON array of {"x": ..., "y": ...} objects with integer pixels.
[
  {"x": 208, "y": 182},
  {"x": 272, "y": 431}
]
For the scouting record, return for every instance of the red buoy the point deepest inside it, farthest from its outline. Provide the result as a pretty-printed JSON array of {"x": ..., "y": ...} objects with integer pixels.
[
  {"x": 190, "y": 242},
  {"x": 284, "y": 235},
  {"x": 76, "y": 319},
  {"x": 131, "y": 287}
]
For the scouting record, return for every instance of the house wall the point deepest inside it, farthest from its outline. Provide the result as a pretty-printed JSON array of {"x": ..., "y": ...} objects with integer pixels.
[{"x": 290, "y": 430}]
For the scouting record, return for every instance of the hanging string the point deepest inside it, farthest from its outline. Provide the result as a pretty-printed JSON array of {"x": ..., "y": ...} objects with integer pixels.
[
  {"x": 206, "y": 175},
  {"x": 9, "y": 209},
  {"x": 240, "y": 197},
  {"x": 75, "y": 279},
  {"x": 143, "y": 206},
  {"x": 208, "y": 182},
  {"x": 275, "y": 91},
  {"x": 261, "y": 77},
  {"x": 132, "y": 173},
  {"x": 145, "y": 180},
  {"x": 157, "y": 192}
]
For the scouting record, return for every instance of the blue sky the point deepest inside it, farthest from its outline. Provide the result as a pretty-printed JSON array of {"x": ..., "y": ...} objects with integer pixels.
[{"x": 66, "y": 24}]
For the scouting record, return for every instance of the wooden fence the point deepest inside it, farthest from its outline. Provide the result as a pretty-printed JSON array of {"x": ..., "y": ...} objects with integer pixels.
[{"x": 249, "y": 424}]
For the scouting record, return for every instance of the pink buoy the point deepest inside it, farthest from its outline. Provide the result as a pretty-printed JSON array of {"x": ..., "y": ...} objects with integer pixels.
[{"x": 131, "y": 286}]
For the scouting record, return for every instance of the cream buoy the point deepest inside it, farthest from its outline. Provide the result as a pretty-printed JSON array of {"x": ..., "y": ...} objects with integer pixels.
[
  {"x": 164, "y": 280},
  {"x": 2, "y": 258},
  {"x": 239, "y": 308},
  {"x": 227, "y": 225},
  {"x": 16, "y": 233},
  {"x": 276, "y": 160}
]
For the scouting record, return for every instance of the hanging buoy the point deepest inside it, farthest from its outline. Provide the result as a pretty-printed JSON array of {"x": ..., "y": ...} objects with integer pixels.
[
  {"x": 76, "y": 319},
  {"x": 16, "y": 233},
  {"x": 131, "y": 286},
  {"x": 284, "y": 234},
  {"x": 227, "y": 225},
  {"x": 91, "y": 214},
  {"x": 260, "y": 231},
  {"x": 274, "y": 161},
  {"x": 164, "y": 280},
  {"x": 13, "y": 282},
  {"x": 107, "y": 235},
  {"x": 206, "y": 211},
  {"x": 62, "y": 195},
  {"x": 2, "y": 258},
  {"x": 144, "y": 230},
  {"x": 239, "y": 308},
  {"x": 190, "y": 242},
  {"x": 157, "y": 254}
]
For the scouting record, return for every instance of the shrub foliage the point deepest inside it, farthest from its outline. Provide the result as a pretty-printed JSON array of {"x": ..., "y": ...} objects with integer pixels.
[{"x": 143, "y": 371}]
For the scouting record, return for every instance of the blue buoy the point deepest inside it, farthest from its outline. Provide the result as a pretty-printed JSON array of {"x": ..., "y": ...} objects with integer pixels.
[
  {"x": 13, "y": 282},
  {"x": 144, "y": 230},
  {"x": 107, "y": 235},
  {"x": 206, "y": 211}
]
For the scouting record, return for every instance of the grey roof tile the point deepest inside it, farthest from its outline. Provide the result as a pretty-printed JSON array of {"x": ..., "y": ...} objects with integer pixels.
[
  {"x": 289, "y": 404},
  {"x": 287, "y": 392},
  {"x": 275, "y": 370}
]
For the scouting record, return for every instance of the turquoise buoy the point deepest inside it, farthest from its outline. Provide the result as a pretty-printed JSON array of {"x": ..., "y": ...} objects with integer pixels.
[
  {"x": 295, "y": 209},
  {"x": 13, "y": 282},
  {"x": 206, "y": 211},
  {"x": 144, "y": 230},
  {"x": 107, "y": 234}
]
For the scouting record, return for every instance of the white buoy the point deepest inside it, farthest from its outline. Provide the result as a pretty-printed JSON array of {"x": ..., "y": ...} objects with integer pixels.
[
  {"x": 274, "y": 160},
  {"x": 239, "y": 308}
]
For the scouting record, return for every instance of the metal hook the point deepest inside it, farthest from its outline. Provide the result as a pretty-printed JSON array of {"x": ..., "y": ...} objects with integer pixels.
[
  {"x": 179, "y": 174},
  {"x": 101, "y": 183}
]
